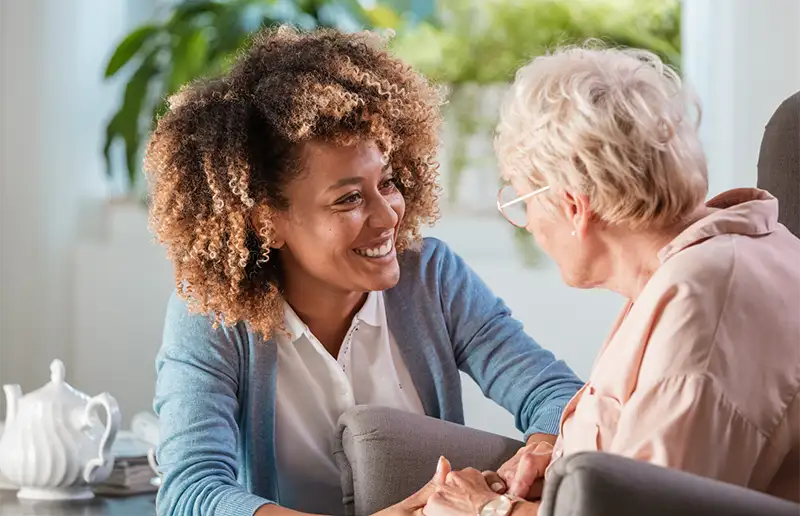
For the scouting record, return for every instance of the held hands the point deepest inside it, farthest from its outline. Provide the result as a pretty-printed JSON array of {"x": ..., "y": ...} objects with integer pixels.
[
  {"x": 523, "y": 473},
  {"x": 464, "y": 493}
]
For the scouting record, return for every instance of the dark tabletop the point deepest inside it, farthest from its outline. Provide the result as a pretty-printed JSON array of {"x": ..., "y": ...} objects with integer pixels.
[{"x": 142, "y": 505}]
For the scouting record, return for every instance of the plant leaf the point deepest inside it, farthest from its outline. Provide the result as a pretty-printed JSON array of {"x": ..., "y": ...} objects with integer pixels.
[
  {"x": 189, "y": 54},
  {"x": 125, "y": 123},
  {"x": 189, "y": 9},
  {"x": 128, "y": 48}
]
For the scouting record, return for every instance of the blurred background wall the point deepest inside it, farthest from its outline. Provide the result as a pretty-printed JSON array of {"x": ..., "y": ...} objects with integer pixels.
[{"x": 81, "y": 279}]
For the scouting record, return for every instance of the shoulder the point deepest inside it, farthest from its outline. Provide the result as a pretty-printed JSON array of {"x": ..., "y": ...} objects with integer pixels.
[
  {"x": 696, "y": 281},
  {"x": 181, "y": 319},
  {"x": 426, "y": 253},
  {"x": 710, "y": 261},
  {"x": 196, "y": 337},
  {"x": 683, "y": 304},
  {"x": 430, "y": 257},
  {"x": 432, "y": 266},
  {"x": 420, "y": 270}
]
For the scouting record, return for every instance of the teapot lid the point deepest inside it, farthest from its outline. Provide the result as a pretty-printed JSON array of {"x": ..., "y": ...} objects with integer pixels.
[{"x": 56, "y": 391}]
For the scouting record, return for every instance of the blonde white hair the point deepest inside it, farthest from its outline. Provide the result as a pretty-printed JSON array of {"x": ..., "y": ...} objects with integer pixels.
[{"x": 613, "y": 124}]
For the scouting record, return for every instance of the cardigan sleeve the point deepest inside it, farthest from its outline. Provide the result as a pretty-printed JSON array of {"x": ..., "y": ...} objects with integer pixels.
[
  {"x": 196, "y": 401},
  {"x": 492, "y": 348}
]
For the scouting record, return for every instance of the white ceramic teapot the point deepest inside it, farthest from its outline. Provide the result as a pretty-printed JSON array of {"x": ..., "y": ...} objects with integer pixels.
[{"x": 55, "y": 446}]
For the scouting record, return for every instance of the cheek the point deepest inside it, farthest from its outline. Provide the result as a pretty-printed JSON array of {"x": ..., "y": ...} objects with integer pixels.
[
  {"x": 551, "y": 235},
  {"x": 398, "y": 203},
  {"x": 540, "y": 224},
  {"x": 543, "y": 232},
  {"x": 339, "y": 231},
  {"x": 317, "y": 239}
]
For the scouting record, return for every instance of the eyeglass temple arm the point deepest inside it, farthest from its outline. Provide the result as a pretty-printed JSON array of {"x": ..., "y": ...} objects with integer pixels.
[{"x": 522, "y": 198}]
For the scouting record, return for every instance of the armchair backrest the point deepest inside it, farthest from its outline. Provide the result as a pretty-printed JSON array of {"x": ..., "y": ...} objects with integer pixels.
[{"x": 779, "y": 161}]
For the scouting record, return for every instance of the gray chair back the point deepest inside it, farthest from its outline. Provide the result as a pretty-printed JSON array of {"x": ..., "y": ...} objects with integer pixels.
[{"x": 779, "y": 161}]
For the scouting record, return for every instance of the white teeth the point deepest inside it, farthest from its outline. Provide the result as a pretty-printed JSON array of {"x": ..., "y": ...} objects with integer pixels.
[{"x": 377, "y": 252}]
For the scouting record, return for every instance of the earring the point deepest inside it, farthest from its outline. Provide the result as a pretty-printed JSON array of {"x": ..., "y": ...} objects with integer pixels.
[{"x": 573, "y": 233}]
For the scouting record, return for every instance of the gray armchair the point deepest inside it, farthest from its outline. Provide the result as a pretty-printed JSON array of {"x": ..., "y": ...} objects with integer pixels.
[{"x": 385, "y": 455}]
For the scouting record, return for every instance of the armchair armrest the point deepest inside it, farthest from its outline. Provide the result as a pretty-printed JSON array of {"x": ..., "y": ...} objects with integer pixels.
[
  {"x": 599, "y": 484},
  {"x": 384, "y": 455}
]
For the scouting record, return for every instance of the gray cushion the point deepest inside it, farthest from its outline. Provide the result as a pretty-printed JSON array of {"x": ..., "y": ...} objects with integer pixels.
[
  {"x": 779, "y": 161},
  {"x": 598, "y": 484},
  {"x": 385, "y": 455}
]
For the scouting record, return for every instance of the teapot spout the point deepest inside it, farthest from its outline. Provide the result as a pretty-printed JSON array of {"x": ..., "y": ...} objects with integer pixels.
[{"x": 13, "y": 394}]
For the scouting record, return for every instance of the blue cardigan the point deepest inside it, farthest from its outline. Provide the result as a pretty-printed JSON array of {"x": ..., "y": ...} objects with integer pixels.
[{"x": 215, "y": 393}]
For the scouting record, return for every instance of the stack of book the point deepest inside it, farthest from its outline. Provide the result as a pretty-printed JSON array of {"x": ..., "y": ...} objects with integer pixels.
[{"x": 132, "y": 474}]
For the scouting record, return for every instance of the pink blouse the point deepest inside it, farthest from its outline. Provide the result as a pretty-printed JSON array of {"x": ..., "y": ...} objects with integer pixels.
[{"x": 702, "y": 372}]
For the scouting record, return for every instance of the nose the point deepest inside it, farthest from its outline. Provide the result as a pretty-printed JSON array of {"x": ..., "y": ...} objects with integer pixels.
[{"x": 384, "y": 213}]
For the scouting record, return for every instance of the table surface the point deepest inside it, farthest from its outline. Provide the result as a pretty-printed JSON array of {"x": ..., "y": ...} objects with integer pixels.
[{"x": 142, "y": 505}]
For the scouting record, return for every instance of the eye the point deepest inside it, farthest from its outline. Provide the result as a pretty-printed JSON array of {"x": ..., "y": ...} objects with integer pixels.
[
  {"x": 352, "y": 198},
  {"x": 389, "y": 184}
]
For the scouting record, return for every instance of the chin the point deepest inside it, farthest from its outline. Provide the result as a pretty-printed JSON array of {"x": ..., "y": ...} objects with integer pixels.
[
  {"x": 384, "y": 280},
  {"x": 377, "y": 273},
  {"x": 575, "y": 280}
]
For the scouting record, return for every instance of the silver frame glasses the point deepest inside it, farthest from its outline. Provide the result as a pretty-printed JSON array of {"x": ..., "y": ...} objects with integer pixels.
[{"x": 502, "y": 207}]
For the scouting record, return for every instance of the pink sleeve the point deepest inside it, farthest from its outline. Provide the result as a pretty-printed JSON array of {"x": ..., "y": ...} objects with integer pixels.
[{"x": 686, "y": 423}]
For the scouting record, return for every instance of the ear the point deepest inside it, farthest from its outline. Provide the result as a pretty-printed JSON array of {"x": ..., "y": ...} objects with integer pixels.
[
  {"x": 577, "y": 210},
  {"x": 261, "y": 218}
]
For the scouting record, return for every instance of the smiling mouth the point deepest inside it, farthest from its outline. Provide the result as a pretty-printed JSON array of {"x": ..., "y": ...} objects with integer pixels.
[{"x": 377, "y": 251}]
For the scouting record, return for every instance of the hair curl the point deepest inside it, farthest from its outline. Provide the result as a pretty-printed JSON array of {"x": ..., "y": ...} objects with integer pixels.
[{"x": 232, "y": 143}]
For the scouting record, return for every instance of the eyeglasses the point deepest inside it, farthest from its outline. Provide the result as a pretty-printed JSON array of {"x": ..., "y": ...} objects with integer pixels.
[{"x": 512, "y": 207}]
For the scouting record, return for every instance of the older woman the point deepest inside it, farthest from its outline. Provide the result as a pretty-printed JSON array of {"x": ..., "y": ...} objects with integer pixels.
[
  {"x": 701, "y": 371},
  {"x": 290, "y": 194}
]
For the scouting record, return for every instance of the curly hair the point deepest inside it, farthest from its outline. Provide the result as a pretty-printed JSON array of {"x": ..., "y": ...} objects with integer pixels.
[{"x": 229, "y": 144}]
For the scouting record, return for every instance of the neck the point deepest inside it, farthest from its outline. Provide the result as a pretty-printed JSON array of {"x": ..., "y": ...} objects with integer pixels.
[
  {"x": 632, "y": 256},
  {"x": 327, "y": 311}
]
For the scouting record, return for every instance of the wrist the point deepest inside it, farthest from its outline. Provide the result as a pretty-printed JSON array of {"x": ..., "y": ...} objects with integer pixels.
[
  {"x": 537, "y": 438},
  {"x": 501, "y": 505}
]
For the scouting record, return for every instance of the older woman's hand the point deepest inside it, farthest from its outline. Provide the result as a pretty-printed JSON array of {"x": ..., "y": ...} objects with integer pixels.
[
  {"x": 522, "y": 473},
  {"x": 464, "y": 493}
]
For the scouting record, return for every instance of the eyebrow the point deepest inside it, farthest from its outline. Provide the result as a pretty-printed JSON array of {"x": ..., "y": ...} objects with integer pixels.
[
  {"x": 345, "y": 182},
  {"x": 356, "y": 180}
]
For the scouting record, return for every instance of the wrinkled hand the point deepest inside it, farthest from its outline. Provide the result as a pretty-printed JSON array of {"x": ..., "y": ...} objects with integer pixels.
[
  {"x": 523, "y": 473},
  {"x": 464, "y": 494},
  {"x": 413, "y": 504}
]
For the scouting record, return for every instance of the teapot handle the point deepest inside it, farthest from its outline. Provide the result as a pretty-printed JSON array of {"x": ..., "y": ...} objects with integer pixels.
[{"x": 113, "y": 418}]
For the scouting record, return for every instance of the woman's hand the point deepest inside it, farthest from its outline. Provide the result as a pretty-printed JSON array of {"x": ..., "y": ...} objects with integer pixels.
[
  {"x": 413, "y": 504},
  {"x": 464, "y": 493},
  {"x": 522, "y": 473}
]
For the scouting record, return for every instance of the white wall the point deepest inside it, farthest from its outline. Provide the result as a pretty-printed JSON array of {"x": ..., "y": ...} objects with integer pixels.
[
  {"x": 53, "y": 106},
  {"x": 743, "y": 58}
]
